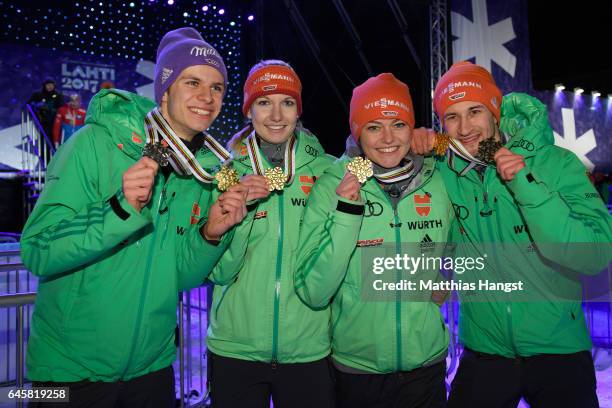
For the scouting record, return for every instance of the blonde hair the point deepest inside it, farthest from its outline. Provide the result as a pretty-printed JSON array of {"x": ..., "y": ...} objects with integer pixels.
[{"x": 243, "y": 133}]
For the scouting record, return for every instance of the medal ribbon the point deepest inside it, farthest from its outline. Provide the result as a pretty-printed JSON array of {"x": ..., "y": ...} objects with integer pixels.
[
  {"x": 181, "y": 159},
  {"x": 396, "y": 175},
  {"x": 257, "y": 162}
]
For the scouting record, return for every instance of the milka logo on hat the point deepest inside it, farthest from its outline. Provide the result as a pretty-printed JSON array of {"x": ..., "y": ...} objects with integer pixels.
[
  {"x": 203, "y": 51},
  {"x": 267, "y": 88},
  {"x": 451, "y": 86},
  {"x": 166, "y": 72},
  {"x": 267, "y": 77},
  {"x": 456, "y": 96},
  {"x": 390, "y": 113},
  {"x": 384, "y": 103}
]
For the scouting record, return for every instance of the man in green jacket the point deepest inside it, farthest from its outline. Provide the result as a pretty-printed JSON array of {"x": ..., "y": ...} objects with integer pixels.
[
  {"x": 530, "y": 207},
  {"x": 114, "y": 237}
]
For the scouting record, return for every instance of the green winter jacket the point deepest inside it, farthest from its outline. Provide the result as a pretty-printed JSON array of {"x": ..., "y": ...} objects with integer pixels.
[
  {"x": 110, "y": 276},
  {"x": 548, "y": 205},
  {"x": 256, "y": 314},
  {"x": 386, "y": 331}
]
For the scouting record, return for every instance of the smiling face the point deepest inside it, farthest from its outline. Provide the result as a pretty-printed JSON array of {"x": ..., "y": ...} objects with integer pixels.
[
  {"x": 193, "y": 101},
  {"x": 470, "y": 123},
  {"x": 274, "y": 117},
  {"x": 386, "y": 141}
]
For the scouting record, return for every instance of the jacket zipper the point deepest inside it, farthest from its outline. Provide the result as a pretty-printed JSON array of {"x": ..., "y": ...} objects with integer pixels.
[
  {"x": 398, "y": 297},
  {"x": 167, "y": 222},
  {"x": 167, "y": 201},
  {"x": 277, "y": 284},
  {"x": 488, "y": 171},
  {"x": 145, "y": 285}
]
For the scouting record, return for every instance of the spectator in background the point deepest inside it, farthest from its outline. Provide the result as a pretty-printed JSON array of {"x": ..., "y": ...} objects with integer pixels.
[
  {"x": 46, "y": 102},
  {"x": 69, "y": 119}
]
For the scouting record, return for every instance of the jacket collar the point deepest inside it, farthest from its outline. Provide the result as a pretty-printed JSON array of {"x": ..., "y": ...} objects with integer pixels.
[{"x": 308, "y": 148}]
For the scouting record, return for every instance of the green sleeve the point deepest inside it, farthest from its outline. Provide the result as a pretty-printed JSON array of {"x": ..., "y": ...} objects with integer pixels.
[
  {"x": 564, "y": 208},
  {"x": 233, "y": 258},
  {"x": 327, "y": 241},
  {"x": 196, "y": 257},
  {"x": 73, "y": 224}
]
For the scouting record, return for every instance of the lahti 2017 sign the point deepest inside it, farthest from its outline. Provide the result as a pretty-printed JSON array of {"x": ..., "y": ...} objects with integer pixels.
[
  {"x": 79, "y": 76},
  {"x": 73, "y": 72}
]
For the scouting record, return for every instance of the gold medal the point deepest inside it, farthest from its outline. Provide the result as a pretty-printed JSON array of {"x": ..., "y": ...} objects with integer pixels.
[
  {"x": 226, "y": 177},
  {"x": 361, "y": 168},
  {"x": 441, "y": 144},
  {"x": 276, "y": 179}
]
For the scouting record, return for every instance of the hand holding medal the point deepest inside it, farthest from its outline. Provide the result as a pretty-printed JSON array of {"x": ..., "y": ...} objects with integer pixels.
[
  {"x": 349, "y": 187},
  {"x": 138, "y": 181},
  {"x": 358, "y": 171},
  {"x": 508, "y": 164}
]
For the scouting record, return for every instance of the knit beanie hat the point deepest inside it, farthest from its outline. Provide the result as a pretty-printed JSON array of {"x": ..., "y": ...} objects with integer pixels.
[
  {"x": 380, "y": 97},
  {"x": 272, "y": 79},
  {"x": 465, "y": 81},
  {"x": 180, "y": 49}
]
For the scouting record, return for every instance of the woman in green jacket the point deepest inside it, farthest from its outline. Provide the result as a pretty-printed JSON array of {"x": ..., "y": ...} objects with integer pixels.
[
  {"x": 389, "y": 341},
  {"x": 264, "y": 341}
]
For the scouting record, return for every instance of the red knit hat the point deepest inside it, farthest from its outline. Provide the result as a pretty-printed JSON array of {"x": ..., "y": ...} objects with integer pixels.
[
  {"x": 272, "y": 79},
  {"x": 465, "y": 81},
  {"x": 380, "y": 97}
]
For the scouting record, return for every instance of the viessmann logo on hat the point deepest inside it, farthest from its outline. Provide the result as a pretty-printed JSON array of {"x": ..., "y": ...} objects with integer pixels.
[
  {"x": 384, "y": 103},
  {"x": 450, "y": 88},
  {"x": 271, "y": 77}
]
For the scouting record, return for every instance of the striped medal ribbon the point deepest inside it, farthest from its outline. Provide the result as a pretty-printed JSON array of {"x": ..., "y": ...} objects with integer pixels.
[
  {"x": 457, "y": 147},
  {"x": 180, "y": 157},
  {"x": 396, "y": 175},
  {"x": 277, "y": 176}
]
